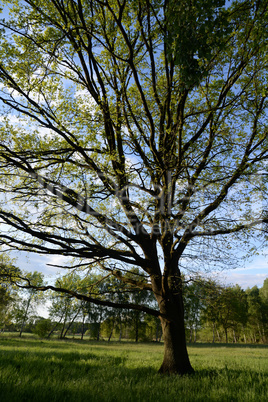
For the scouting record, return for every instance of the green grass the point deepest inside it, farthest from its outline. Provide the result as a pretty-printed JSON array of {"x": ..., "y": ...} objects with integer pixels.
[{"x": 35, "y": 370}]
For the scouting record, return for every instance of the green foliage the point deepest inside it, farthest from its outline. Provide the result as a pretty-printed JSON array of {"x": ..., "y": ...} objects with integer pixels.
[
  {"x": 196, "y": 32},
  {"x": 42, "y": 327}
]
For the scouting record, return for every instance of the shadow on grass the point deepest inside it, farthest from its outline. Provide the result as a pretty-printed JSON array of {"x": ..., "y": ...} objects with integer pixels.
[
  {"x": 33, "y": 374},
  {"x": 36, "y": 375}
]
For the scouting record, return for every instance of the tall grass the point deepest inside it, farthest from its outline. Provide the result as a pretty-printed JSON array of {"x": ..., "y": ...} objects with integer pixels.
[{"x": 34, "y": 370}]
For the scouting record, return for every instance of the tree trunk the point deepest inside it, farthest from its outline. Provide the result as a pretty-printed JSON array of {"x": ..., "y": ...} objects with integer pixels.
[
  {"x": 158, "y": 332},
  {"x": 226, "y": 335},
  {"x": 111, "y": 333},
  {"x": 64, "y": 323},
  {"x": 176, "y": 360},
  {"x": 83, "y": 326},
  {"x": 168, "y": 294},
  {"x": 70, "y": 324},
  {"x": 120, "y": 329},
  {"x": 54, "y": 328},
  {"x": 191, "y": 335},
  {"x": 98, "y": 329},
  {"x": 136, "y": 327},
  {"x": 25, "y": 315},
  {"x": 234, "y": 337}
]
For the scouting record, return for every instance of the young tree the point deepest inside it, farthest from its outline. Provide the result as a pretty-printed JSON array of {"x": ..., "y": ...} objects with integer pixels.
[{"x": 129, "y": 134}]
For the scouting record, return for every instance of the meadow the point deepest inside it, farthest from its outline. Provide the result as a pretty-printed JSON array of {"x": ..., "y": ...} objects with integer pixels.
[{"x": 62, "y": 371}]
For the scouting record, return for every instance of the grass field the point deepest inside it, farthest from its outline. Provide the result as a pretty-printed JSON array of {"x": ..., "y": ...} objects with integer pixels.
[{"x": 52, "y": 370}]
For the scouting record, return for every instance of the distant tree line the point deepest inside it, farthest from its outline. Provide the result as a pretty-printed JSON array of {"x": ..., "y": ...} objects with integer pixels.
[{"x": 213, "y": 312}]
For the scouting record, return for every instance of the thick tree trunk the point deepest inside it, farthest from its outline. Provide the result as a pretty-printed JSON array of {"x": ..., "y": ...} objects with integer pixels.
[
  {"x": 169, "y": 295},
  {"x": 176, "y": 359}
]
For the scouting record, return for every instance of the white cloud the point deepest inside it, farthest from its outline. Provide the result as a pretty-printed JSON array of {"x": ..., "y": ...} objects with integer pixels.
[{"x": 244, "y": 280}]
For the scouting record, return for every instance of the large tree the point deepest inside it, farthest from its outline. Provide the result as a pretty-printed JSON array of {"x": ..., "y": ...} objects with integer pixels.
[{"x": 129, "y": 134}]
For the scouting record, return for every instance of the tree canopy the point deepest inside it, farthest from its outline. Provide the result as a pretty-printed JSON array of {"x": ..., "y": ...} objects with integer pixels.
[{"x": 133, "y": 134}]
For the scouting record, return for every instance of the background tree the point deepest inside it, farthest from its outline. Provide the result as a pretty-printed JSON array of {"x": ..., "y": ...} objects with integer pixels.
[
  {"x": 116, "y": 151},
  {"x": 257, "y": 310},
  {"x": 28, "y": 301}
]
